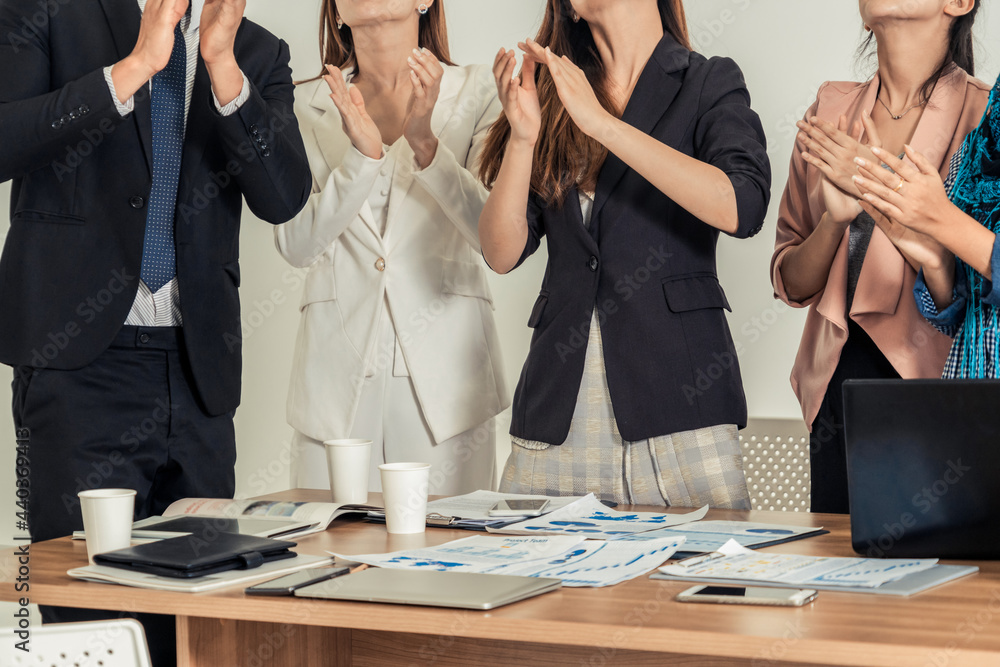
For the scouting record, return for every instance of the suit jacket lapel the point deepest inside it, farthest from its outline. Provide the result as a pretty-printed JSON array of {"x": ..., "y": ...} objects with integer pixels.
[
  {"x": 658, "y": 85},
  {"x": 332, "y": 141},
  {"x": 200, "y": 120},
  {"x": 124, "y": 18}
]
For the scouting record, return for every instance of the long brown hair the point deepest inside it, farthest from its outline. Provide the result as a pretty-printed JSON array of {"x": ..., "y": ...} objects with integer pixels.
[
  {"x": 564, "y": 155},
  {"x": 337, "y": 44}
]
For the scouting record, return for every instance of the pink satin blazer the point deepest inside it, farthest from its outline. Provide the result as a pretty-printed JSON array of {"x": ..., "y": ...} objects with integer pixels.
[{"x": 883, "y": 304}]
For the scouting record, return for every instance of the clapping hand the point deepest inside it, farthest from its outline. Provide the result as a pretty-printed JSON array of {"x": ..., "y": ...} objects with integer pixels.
[
  {"x": 358, "y": 125},
  {"x": 573, "y": 88},
  {"x": 425, "y": 75},
  {"x": 156, "y": 34},
  {"x": 518, "y": 96},
  {"x": 220, "y": 21},
  {"x": 913, "y": 196},
  {"x": 832, "y": 150}
]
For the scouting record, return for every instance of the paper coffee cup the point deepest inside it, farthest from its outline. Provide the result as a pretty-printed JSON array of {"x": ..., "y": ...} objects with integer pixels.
[
  {"x": 107, "y": 519},
  {"x": 404, "y": 489},
  {"x": 348, "y": 462}
]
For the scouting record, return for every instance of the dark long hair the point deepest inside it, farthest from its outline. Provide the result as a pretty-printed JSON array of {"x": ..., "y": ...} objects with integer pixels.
[
  {"x": 961, "y": 50},
  {"x": 336, "y": 45},
  {"x": 564, "y": 155}
]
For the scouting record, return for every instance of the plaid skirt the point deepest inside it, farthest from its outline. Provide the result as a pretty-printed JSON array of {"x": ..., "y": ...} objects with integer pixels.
[{"x": 688, "y": 469}]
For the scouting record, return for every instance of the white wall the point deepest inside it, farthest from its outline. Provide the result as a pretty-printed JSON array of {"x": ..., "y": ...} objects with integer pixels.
[{"x": 786, "y": 48}]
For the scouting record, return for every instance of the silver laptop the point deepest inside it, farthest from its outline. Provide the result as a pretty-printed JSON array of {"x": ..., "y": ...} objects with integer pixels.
[{"x": 462, "y": 590}]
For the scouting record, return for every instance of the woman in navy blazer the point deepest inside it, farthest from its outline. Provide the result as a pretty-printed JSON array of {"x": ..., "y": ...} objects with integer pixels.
[{"x": 631, "y": 153}]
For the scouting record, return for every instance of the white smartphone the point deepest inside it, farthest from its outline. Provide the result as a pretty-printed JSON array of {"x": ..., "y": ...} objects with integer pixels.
[
  {"x": 775, "y": 597},
  {"x": 525, "y": 507}
]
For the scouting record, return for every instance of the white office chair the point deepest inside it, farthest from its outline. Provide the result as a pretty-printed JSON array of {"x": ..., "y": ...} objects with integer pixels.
[
  {"x": 776, "y": 464},
  {"x": 117, "y": 643}
]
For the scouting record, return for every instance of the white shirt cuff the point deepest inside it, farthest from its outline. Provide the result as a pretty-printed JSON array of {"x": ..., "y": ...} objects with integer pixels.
[
  {"x": 129, "y": 105},
  {"x": 235, "y": 105}
]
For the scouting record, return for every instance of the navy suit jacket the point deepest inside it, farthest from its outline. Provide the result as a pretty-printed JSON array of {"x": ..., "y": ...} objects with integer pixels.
[
  {"x": 648, "y": 266},
  {"x": 81, "y": 176}
]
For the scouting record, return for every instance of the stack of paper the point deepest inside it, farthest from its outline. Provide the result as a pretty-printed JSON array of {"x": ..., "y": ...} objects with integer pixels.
[
  {"x": 590, "y": 518},
  {"x": 709, "y": 536},
  {"x": 737, "y": 565}
]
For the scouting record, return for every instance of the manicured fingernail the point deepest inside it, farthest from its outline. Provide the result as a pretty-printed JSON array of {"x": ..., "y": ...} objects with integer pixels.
[
  {"x": 861, "y": 162},
  {"x": 411, "y": 60},
  {"x": 876, "y": 150},
  {"x": 858, "y": 180}
]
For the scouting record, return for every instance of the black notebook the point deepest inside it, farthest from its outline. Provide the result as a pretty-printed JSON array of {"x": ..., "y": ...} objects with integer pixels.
[{"x": 191, "y": 556}]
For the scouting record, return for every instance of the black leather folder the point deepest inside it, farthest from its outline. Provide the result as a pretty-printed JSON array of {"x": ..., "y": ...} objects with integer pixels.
[{"x": 192, "y": 556}]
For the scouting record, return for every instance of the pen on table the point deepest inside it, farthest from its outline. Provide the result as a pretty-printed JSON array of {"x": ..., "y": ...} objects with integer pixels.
[{"x": 699, "y": 559}]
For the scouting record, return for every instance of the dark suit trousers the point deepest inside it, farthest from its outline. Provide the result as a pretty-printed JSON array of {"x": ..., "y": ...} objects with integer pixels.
[
  {"x": 860, "y": 360},
  {"x": 130, "y": 419}
]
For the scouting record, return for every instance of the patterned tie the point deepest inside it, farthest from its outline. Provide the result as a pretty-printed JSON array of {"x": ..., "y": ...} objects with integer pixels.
[{"x": 168, "y": 97}]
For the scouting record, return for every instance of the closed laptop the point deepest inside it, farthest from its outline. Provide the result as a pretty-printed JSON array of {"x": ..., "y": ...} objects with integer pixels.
[
  {"x": 923, "y": 467},
  {"x": 462, "y": 590}
]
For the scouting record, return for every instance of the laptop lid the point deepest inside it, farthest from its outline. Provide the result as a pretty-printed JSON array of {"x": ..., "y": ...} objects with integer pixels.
[
  {"x": 923, "y": 467},
  {"x": 463, "y": 590}
]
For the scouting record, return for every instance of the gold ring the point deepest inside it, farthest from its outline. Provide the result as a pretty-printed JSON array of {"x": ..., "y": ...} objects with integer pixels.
[{"x": 900, "y": 186}]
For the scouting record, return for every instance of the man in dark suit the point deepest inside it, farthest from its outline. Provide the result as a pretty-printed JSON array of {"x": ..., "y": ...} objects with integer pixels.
[{"x": 132, "y": 130}]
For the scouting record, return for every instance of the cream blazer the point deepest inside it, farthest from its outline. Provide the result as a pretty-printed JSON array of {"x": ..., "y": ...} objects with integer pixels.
[
  {"x": 427, "y": 269},
  {"x": 883, "y": 304}
]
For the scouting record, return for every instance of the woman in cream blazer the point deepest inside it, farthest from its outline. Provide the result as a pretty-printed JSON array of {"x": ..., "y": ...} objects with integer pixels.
[{"x": 397, "y": 341}]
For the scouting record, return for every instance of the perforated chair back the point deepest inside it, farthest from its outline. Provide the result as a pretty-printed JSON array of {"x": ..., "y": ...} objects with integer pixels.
[
  {"x": 776, "y": 464},
  {"x": 116, "y": 643}
]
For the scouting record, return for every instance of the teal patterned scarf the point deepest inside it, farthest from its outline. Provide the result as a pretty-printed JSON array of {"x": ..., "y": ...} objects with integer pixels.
[{"x": 977, "y": 192}]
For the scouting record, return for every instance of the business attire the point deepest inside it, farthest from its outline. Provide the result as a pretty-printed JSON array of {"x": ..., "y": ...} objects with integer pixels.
[
  {"x": 397, "y": 341},
  {"x": 977, "y": 165},
  {"x": 119, "y": 276},
  {"x": 631, "y": 388},
  {"x": 863, "y": 324}
]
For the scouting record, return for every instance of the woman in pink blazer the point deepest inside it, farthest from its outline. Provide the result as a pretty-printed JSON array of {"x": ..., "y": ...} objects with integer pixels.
[{"x": 830, "y": 256}]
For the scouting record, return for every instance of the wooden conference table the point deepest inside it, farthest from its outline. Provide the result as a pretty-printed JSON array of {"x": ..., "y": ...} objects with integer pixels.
[{"x": 635, "y": 623}]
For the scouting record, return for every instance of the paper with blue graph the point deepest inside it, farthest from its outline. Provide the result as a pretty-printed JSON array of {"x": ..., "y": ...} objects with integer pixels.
[
  {"x": 734, "y": 562},
  {"x": 598, "y": 563},
  {"x": 591, "y": 519},
  {"x": 570, "y": 558}
]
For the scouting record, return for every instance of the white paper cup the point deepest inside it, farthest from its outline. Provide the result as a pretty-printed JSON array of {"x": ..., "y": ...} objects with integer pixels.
[
  {"x": 107, "y": 519},
  {"x": 348, "y": 462},
  {"x": 404, "y": 489}
]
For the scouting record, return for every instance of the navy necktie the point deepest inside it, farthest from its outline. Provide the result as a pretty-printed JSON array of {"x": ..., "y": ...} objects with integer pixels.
[{"x": 168, "y": 101}]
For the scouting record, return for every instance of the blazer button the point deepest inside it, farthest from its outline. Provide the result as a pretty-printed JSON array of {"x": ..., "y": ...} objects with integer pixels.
[
  {"x": 144, "y": 338},
  {"x": 593, "y": 264},
  {"x": 380, "y": 264},
  {"x": 136, "y": 202}
]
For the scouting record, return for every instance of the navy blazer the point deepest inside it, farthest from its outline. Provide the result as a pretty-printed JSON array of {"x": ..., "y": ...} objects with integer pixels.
[
  {"x": 82, "y": 174},
  {"x": 648, "y": 266}
]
